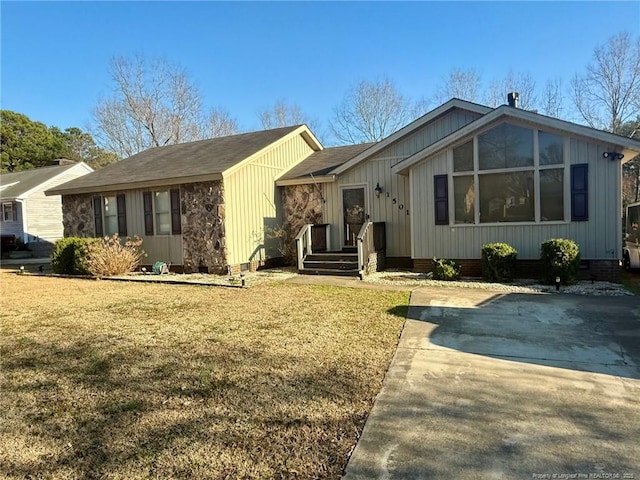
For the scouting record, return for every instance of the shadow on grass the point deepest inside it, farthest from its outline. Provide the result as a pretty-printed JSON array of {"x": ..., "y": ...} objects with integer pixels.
[{"x": 130, "y": 411}]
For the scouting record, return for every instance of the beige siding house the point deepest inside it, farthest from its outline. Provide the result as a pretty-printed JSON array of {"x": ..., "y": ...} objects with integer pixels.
[
  {"x": 462, "y": 176},
  {"x": 27, "y": 213},
  {"x": 205, "y": 206}
]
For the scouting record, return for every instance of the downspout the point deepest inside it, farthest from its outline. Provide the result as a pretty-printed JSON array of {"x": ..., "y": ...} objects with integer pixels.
[{"x": 23, "y": 212}]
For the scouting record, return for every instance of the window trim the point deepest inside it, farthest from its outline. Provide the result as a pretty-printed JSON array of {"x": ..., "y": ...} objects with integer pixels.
[
  {"x": 14, "y": 212},
  {"x": 536, "y": 168}
]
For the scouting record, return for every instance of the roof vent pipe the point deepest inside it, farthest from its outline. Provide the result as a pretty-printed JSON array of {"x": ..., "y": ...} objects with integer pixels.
[{"x": 512, "y": 99}]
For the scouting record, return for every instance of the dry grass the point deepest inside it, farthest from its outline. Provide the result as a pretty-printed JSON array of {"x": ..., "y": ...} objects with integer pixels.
[{"x": 125, "y": 380}]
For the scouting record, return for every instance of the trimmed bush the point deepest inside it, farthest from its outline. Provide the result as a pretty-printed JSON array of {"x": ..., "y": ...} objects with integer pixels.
[
  {"x": 559, "y": 258},
  {"x": 111, "y": 256},
  {"x": 445, "y": 269},
  {"x": 498, "y": 262},
  {"x": 69, "y": 255}
]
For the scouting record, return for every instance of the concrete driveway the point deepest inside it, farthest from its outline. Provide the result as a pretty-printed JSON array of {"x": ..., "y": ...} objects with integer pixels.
[{"x": 517, "y": 386}]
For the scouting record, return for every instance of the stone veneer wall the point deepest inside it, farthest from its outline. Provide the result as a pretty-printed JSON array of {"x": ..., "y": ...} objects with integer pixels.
[
  {"x": 203, "y": 231},
  {"x": 77, "y": 216},
  {"x": 302, "y": 204}
]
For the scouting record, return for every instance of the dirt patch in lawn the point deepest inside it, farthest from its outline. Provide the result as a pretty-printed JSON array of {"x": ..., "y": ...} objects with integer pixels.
[{"x": 127, "y": 380}]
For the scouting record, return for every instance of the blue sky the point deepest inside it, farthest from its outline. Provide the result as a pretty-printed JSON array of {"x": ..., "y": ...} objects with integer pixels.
[{"x": 244, "y": 56}]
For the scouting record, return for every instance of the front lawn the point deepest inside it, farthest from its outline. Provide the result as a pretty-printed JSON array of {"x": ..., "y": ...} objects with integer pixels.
[{"x": 105, "y": 379}]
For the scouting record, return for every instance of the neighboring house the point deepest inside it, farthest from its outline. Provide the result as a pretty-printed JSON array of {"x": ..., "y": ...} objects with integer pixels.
[
  {"x": 27, "y": 213},
  {"x": 205, "y": 206},
  {"x": 462, "y": 176}
]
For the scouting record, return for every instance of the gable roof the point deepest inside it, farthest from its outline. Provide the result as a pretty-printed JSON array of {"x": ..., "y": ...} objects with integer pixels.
[
  {"x": 629, "y": 146},
  {"x": 184, "y": 162},
  {"x": 416, "y": 124},
  {"x": 317, "y": 166},
  {"x": 17, "y": 184}
]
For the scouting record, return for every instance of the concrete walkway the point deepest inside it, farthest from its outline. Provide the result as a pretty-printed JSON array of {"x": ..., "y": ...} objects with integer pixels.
[{"x": 516, "y": 386}]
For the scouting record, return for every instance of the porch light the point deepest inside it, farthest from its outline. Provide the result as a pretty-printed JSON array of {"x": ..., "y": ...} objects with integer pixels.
[
  {"x": 378, "y": 190},
  {"x": 613, "y": 155}
]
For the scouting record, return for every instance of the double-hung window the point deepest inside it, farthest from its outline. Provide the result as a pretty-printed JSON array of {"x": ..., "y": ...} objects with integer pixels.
[
  {"x": 509, "y": 174},
  {"x": 162, "y": 212},
  {"x": 110, "y": 215}
]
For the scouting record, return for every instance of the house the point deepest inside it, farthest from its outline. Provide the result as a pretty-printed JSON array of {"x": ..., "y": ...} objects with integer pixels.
[
  {"x": 27, "y": 213},
  {"x": 459, "y": 177},
  {"x": 205, "y": 206}
]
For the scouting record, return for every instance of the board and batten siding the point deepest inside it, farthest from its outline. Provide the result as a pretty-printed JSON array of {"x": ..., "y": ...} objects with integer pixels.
[
  {"x": 250, "y": 200},
  {"x": 163, "y": 248},
  {"x": 382, "y": 209},
  {"x": 377, "y": 169},
  {"x": 599, "y": 238}
]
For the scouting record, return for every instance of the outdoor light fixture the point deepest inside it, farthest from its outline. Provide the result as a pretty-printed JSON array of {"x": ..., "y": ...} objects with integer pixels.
[
  {"x": 613, "y": 155},
  {"x": 21, "y": 272},
  {"x": 557, "y": 284},
  {"x": 378, "y": 190}
]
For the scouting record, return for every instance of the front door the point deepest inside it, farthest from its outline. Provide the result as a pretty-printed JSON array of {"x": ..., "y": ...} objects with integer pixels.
[{"x": 353, "y": 214}]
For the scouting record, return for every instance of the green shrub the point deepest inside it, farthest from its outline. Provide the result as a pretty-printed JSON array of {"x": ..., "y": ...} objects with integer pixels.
[
  {"x": 69, "y": 255},
  {"x": 111, "y": 256},
  {"x": 446, "y": 269},
  {"x": 559, "y": 258},
  {"x": 498, "y": 262}
]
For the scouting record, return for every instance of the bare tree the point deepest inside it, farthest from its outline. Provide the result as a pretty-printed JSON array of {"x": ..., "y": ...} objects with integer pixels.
[
  {"x": 523, "y": 83},
  {"x": 282, "y": 114},
  {"x": 153, "y": 103},
  {"x": 462, "y": 84},
  {"x": 370, "y": 111},
  {"x": 551, "y": 101},
  {"x": 219, "y": 123},
  {"x": 608, "y": 94}
]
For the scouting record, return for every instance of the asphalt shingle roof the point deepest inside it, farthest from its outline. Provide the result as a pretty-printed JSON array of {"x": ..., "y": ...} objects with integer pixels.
[
  {"x": 204, "y": 157},
  {"x": 17, "y": 183},
  {"x": 322, "y": 162}
]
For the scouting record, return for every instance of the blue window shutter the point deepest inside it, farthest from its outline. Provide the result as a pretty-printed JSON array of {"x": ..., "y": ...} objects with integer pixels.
[
  {"x": 441, "y": 199},
  {"x": 580, "y": 192},
  {"x": 97, "y": 215},
  {"x": 122, "y": 215}
]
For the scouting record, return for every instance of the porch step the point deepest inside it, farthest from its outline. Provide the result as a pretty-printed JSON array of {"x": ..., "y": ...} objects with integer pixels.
[
  {"x": 332, "y": 257},
  {"x": 329, "y": 271},
  {"x": 331, "y": 263}
]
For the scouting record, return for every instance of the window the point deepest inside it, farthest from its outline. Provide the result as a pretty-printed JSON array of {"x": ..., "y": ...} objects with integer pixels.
[
  {"x": 506, "y": 197},
  {"x": 110, "y": 208},
  {"x": 464, "y": 199},
  {"x": 9, "y": 212},
  {"x": 505, "y": 146},
  {"x": 552, "y": 194},
  {"x": 110, "y": 215},
  {"x": 163, "y": 213},
  {"x": 463, "y": 158},
  {"x": 513, "y": 163}
]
